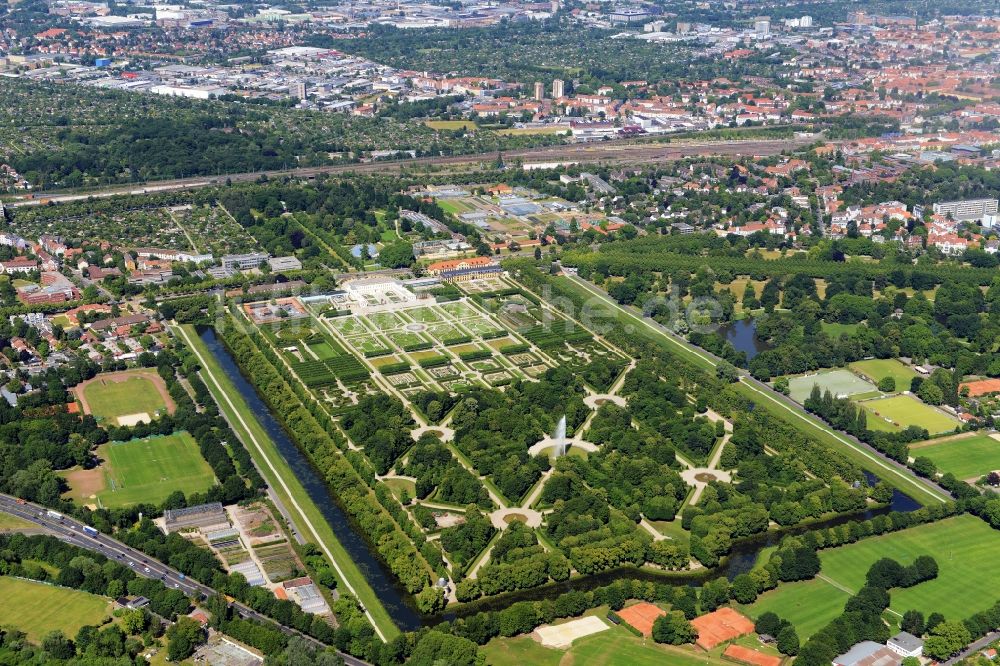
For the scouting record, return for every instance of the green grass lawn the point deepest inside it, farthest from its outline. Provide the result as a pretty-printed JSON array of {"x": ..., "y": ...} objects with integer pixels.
[
  {"x": 9, "y": 523},
  {"x": 282, "y": 480},
  {"x": 131, "y": 396},
  {"x": 835, "y": 330},
  {"x": 614, "y": 647},
  {"x": 37, "y": 608},
  {"x": 148, "y": 470},
  {"x": 323, "y": 350},
  {"x": 967, "y": 551},
  {"x": 399, "y": 485},
  {"x": 877, "y": 368},
  {"x": 809, "y": 605},
  {"x": 966, "y": 458},
  {"x": 425, "y": 315},
  {"x": 905, "y": 410}
]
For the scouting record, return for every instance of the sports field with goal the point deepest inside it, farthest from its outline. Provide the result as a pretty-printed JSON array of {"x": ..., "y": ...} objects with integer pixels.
[
  {"x": 142, "y": 471},
  {"x": 965, "y": 457},
  {"x": 901, "y": 411},
  {"x": 965, "y": 548}
]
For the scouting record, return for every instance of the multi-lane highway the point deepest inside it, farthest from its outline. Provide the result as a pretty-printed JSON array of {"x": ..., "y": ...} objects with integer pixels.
[
  {"x": 71, "y": 531},
  {"x": 605, "y": 152}
]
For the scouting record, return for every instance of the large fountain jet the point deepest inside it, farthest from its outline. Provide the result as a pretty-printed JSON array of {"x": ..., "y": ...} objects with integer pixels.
[{"x": 560, "y": 437}]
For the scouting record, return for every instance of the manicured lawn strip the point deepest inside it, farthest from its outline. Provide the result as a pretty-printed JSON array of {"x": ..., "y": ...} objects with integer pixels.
[
  {"x": 877, "y": 368},
  {"x": 806, "y": 423},
  {"x": 150, "y": 469},
  {"x": 966, "y": 458},
  {"x": 37, "y": 608},
  {"x": 302, "y": 508}
]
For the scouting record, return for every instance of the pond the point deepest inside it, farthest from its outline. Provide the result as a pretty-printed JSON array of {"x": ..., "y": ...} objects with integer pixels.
[
  {"x": 742, "y": 334},
  {"x": 388, "y": 590}
]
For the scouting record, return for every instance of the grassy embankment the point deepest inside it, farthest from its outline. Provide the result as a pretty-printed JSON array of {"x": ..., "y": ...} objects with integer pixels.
[{"x": 283, "y": 482}]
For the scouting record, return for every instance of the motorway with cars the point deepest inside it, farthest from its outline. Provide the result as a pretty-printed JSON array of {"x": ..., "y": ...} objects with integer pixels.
[{"x": 74, "y": 532}]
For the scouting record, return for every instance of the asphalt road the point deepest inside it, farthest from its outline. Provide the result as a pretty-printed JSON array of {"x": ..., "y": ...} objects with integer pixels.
[
  {"x": 607, "y": 152},
  {"x": 69, "y": 530}
]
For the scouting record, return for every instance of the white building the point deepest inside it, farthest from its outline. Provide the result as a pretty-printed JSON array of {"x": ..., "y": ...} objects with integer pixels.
[
  {"x": 906, "y": 645},
  {"x": 967, "y": 209},
  {"x": 243, "y": 262}
]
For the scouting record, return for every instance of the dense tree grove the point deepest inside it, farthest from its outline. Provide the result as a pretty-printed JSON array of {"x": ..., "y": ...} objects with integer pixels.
[{"x": 496, "y": 429}]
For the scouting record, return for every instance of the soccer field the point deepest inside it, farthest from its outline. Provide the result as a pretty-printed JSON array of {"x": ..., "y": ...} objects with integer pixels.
[
  {"x": 900, "y": 411},
  {"x": 966, "y": 458},
  {"x": 37, "y": 608},
  {"x": 148, "y": 470},
  {"x": 117, "y": 397},
  {"x": 967, "y": 551},
  {"x": 838, "y": 382},
  {"x": 877, "y": 368}
]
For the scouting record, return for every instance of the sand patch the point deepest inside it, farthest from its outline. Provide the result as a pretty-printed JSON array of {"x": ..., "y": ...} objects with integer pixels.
[
  {"x": 134, "y": 419},
  {"x": 562, "y": 635}
]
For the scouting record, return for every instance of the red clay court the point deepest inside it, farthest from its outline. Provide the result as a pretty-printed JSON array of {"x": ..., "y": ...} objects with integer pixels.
[
  {"x": 720, "y": 626},
  {"x": 981, "y": 387},
  {"x": 641, "y": 616},
  {"x": 745, "y": 655}
]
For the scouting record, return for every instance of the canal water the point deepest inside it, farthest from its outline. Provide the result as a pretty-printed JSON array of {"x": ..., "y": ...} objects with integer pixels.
[
  {"x": 392, "y": 595},
  {"x": 741, "y": 559}
]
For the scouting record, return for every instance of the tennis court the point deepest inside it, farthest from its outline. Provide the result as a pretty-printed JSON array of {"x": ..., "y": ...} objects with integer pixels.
[{"x": 839, "y": 382}]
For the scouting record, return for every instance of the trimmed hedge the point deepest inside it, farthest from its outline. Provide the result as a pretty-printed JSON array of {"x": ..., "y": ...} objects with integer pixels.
[
  {"x": 515, "y": 349},
  {"x": 395, "y": 368},
  {"x": 434, "y": 361},
  {"x": 476, "y": 355}
]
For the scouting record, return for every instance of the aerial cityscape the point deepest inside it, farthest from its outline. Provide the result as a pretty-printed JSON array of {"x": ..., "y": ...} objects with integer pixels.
[{"x": 508, "y": 333}]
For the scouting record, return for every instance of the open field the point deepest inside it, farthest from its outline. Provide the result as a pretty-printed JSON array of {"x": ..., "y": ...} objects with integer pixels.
[
  {"x": 286, "y": 486},
  {"x": 148, "y": 470},
  {"x": 877, "y": 368},
  {"x": 451, "y": 124},
  {"x": 119, "y": 396},
  {"x": 900, "y": 411},
  {"x": 966, "y": 550},
  {"x": 966, "y": 458},
  {"x": 614, "y": 647},
  {"x": 838, "y": 382},
  {"x": 37, "y": 608}
]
